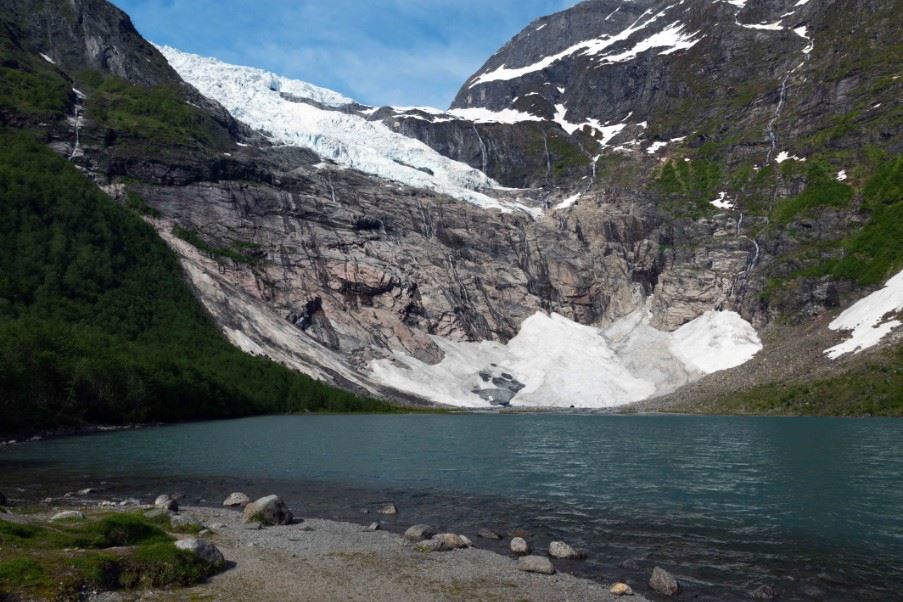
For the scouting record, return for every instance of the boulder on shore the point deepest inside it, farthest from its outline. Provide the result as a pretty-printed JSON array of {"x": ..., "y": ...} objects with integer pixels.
[
  {"x": 270, "y": 510},
  {"x": 536, "y": 564},
  {"x": 520, "y": 546},
  {"x": 166, "y": 502},
  {"x": 453, "y": 541},
  {"x": 621, "y": 589},
  {"x": 156, "y": 513},
  {"x": 182, "y": 521},
  {"x": 236, "y": 500},
  {"x": 203, "y": 549},
  {"x": 559, "y": 549},
  {"x": 68, "y": 515},
  {"x": 418, "y": 533},
  {"x": 664, "y": 582}
]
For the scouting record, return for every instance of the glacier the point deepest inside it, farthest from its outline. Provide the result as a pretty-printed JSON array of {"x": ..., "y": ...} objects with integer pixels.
[
  {"x": 294, "y": 113},
  {"x": 560, "y": 363}
]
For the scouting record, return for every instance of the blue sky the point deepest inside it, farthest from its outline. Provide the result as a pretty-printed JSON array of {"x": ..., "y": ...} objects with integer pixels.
[{"x": 400, "y": 52}]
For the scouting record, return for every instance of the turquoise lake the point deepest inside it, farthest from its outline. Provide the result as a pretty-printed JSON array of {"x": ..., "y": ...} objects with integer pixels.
[{"x": 810, "y": 506}]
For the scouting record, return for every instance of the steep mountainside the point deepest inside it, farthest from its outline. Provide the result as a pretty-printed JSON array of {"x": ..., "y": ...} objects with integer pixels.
[{"x": 686, "y": 173}]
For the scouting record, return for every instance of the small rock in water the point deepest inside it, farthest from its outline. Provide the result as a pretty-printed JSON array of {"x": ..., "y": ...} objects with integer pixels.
[
  {"x": 86, "y": 491},
  {"x": 520, "y": 546},
  {"x": 664, "y": 582},
  {"x": 536, "y": 564},
  {"x": 630, "y": 564},
  {"x": 203, "y": 549},
  {"x": 389, "y": 509},
  {"x": 167, "y": 503},
  {"x": 488, "y": 534},
  {"x": 559, "y": 549},
  {"x": 372, "y": 527},
  {"x": 418, "y": 533},
  {"x": 621, "y": 589},
  {"x": 182, "y": 521},
  {"x": 812, "y": 592},
  {"x": 765, "y": 592},
  {"x": 68, "y": 515},
  {"x": 236, "y": 500},
  {"x": 269, "y": 510}
]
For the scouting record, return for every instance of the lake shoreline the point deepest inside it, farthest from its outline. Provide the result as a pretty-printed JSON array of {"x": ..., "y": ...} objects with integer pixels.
[{"x": 315, "y": 558}]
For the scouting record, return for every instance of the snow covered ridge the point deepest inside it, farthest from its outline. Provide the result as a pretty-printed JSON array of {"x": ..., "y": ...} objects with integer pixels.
[
  {"x": 555, "y": 362},
  {"x": 870, "y": 319},
  {"x": 668, "y": 40},
  {"x": 276, "y": 106}
]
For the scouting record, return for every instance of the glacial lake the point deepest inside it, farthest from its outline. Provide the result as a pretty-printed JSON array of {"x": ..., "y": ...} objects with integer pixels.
[{"x": 810, "y": 506}]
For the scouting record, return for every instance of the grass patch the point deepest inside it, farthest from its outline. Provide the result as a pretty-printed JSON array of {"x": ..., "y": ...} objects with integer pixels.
[
  {"x": 822, "y": 190},
  {"x": 112, "y": 552},
  {"x": 242, "y": 252},
  {"x": 873, "y": 387}
]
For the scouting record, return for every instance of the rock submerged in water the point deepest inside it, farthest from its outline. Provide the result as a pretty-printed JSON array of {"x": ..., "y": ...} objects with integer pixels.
[
  {"x": 388, "y": 509},
  {"x": 68, "y": 515},
  {"x": 536, "y": 564},
  {"x": 488, "y": 534},
  {"x": 621, "y": 589},
  {"x": 203, "y": 549},
  {"x": 270, "y": 510},
  {"x": 664, "y": 582},
  {"x": 167, "y": 503},
  {"x": 418, "y": 533},
  {"x": 765, "y": 592},
  {"x": 236, "y": 500},
  {"x": 559, "y": 549},
  {"x": 520, "y": 546}
]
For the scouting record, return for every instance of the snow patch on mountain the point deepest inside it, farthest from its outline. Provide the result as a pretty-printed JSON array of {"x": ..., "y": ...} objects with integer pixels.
[
  {"x": 560, "y": 363},
  {"x": 671, "y": 39},
  {"x": 296, "y": 113},
  {"x": 478, "y": 115},
  {"x": 870, "y": 319}
]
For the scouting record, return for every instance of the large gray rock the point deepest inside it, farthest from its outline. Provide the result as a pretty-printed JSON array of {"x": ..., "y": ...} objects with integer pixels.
[
  {"x": 559, "y": 549},
  {"x": 166, "y": 502},
  {"x": 68, "y": 515},
  {"x": 418, "y": 533},
  {"x": 388, "y": 509},
  {"x": 664, "y": 582},
  {"x": 536, "y": 564},
  {"x": 270, "y": 510},
  {"x": 183, "y": 521},
  {"x": 236, "y": 500},
  {"x": 520, "y": 546},
  {"x": 203, "y": 549}
]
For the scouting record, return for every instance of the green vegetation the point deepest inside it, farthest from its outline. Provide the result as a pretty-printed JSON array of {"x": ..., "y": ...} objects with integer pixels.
[
  {"x": 118, "y": 551},
  {"x": 158, "y": 115},
  {"x": 875, "y": 252},
  {"x": 822, "y": 190},
  {"x": 97, "y": 324},
  {"x": 872, "y": 388},
  {"x": 242, "y": 252},
  {"x": 689, "y": 186},
  {"x": 30, "y": 87}
]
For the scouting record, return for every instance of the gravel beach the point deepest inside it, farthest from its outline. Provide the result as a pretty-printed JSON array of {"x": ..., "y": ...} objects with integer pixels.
[{"x": 326, "y": 560}]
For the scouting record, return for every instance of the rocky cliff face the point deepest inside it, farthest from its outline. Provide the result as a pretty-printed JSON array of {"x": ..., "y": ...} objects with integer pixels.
[{"x": 667, "y": 144}]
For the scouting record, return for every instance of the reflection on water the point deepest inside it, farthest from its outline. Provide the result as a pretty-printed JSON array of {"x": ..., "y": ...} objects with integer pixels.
[{"x": 805, "y": 505}]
